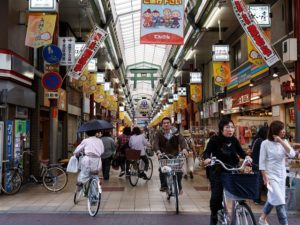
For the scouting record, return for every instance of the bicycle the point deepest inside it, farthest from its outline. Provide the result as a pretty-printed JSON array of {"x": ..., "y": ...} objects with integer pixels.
[
  {"x": 52, "y": 176},
  {"x": 92, "y": 190},
  {"x": 171, "y": 166},
  {"x": 137, "y": 166},
  {"x": 237, "y": 190}
]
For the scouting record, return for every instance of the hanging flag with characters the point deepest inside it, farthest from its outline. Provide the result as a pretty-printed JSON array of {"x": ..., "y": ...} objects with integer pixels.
[
  {"x": 196, "y": 92},
  {"x": 222, "y": 73},
  {"x": 162, "y": 22},
  {"x": 40, "y": 29}
]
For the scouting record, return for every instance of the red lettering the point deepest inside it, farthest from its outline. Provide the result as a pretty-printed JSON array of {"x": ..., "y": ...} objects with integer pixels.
[
  {"x": 252, "y": 30},
  {"x": 265, "y": 49},
  {"x": 92, "y": 45},
  {"x": 238, "y": 6},
  {"x": 259, "y": 40},
  {"x": 78, "y": 67},
  {"x": 97, "y": 37},
  {"x": 246, "y": 19}
]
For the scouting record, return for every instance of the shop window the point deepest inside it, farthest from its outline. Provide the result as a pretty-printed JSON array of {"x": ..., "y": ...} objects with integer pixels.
[{"x": 237, "y": 54}]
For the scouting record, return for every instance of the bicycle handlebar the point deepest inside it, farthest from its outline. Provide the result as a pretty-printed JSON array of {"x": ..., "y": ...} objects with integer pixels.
[
  {"x": 214, "y": 160},
  {"x": 166, "y": 156}
]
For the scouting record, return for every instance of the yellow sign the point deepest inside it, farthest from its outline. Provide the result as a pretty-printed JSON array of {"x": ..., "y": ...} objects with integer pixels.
[
  {"x": 99, "y": 94},
  {"x": 121, "y": 115},
  {"x": 182, "y": 102},
  {"x": 40, "y": 29},
  {"x": 222, "y": 73},
  {"x": 196, "y": 92}
]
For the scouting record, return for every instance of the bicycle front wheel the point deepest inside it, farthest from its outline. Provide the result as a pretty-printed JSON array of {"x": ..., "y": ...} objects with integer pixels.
[
  {"x": 243, "y": 215},
  {"x": 55, "y": 179},
  {"x": 134, "y": 174},
  {"x": 149, "y": 172},
  {"x": 11, "y": 182},
  {"x": 176, "y": 193},
  {"x": 94, "y": 197}
]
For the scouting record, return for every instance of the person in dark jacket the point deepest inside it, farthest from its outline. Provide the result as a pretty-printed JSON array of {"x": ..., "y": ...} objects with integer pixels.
[
  {"x": 226, "y": 148},
  {"x": 170, "y": 142},
  {"x": 258, "y": 139},
  {"x": 109, "y": 150}
]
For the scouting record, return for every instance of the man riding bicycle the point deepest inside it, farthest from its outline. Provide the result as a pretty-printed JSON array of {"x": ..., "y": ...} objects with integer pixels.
[{"x": 170, "y": 142}]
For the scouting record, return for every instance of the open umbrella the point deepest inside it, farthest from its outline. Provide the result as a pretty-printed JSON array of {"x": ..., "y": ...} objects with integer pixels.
[{"x": 95, "y": 125}]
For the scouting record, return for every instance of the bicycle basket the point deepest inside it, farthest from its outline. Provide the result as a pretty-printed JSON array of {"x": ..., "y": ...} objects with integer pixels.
[
  {"x": 245, "y": 186},
  {"x": 175, "y": 164},
  {"x": 132, "y": 154}
]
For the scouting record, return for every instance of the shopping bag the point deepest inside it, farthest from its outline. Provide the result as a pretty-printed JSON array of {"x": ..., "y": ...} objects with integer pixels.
[
  {"x": 197, "y": 163},
  {"x": 72, "y": 165}
]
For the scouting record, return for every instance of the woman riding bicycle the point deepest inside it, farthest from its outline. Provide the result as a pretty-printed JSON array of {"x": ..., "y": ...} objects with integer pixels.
[
  {"x": 92, "y": 148},
  {"x": 226, "y": 148},
  {"x": 138, "y": 142}
]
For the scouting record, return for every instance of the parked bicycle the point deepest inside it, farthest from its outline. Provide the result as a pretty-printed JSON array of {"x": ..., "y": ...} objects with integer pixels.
[
  {"x": 137, "y": 166},
  {"x": 237, "y": 189},
  {"x": 52, "y": 176},
  {"x": 171, "y": 166},
  {"x": 92, "y": 190}
]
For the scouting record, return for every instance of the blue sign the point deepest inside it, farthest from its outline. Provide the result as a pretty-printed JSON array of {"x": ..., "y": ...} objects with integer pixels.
[
  {"x": 51, "y": 81},
  {"x": 9, "y": 147},
  {"x": 52, "y": 54}
]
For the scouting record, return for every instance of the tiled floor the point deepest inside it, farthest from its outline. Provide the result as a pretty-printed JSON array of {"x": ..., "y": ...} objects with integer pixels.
[{"x": 118, "y": 196}]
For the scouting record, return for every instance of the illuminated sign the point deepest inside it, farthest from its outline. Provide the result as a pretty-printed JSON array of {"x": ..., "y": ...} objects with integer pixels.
[
  {"x": 220, "y": 53},
  {"x": 261, "y": 14},
  {"x": 42, "y": 5},
  {"x": 195, "y": 77},
  {"x": 100, "y": 78}
]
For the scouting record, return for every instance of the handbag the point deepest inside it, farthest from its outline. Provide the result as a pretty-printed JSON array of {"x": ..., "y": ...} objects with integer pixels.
[{"x": 72, "y": 165}]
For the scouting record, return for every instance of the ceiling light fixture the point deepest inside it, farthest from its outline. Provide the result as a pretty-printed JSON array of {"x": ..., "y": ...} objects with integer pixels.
[
  {"x": 255, "y": 97},
  {"x": 212, "y": 17}
]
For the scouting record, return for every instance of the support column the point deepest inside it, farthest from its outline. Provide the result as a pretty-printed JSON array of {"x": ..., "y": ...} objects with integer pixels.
[{"x": 297, "y": 68}]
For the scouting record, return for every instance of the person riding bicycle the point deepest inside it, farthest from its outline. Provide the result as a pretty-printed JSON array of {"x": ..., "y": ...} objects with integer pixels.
[
  {"x": 138, "y": 142},
  {"x": 225, "y": 147},
  {"x": 92, "y": 148},
  {"x": 170, "y": 142}
]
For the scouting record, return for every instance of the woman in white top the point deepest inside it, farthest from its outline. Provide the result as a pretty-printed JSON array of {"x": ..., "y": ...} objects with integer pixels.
[
  {"x": 273, "y": 152},
  {"x": 138, "y": 142},
  {"x": 92, "y": 148}
]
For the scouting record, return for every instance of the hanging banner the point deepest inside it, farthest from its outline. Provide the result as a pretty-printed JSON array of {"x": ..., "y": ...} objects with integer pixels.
[
  {"x": 92, "y": 83},
  {"x": 99, "y": 94},
  {"x": 222, "y": 73},
  {"x": 40, "y": 29},
  {"x": 121, "y": 115},
  {"x": 175, "y": 107},
  {"x": 254, "y": 32},
  {"x": 162, "y": 22},
  {"x": 196, "y": 92},
  {"x": 254, "y": 56},
  {"x": 67, "y": 46},
  {"x": 182, "y": 102},
  {"x": 93, "y": 44}
]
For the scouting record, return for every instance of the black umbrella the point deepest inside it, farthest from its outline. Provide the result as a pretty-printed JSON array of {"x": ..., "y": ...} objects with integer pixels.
[{"x": 95, "y": 125}]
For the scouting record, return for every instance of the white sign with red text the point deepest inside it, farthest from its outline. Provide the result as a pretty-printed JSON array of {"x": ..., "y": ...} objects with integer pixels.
[
  {"x": 254, "y": 32},
  {"x": 93, "y": 44}
]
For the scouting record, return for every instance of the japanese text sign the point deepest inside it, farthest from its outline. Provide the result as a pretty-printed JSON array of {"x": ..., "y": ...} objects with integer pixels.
[
  {"x": 93, "y": 44},
  {"x": 254, "y": 32}
]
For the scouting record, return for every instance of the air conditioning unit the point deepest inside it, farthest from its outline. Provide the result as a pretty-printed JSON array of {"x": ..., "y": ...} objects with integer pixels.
[{"x": 289, "y": 50}]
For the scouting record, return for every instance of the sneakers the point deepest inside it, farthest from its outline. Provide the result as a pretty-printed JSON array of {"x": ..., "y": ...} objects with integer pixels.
[
  {"x": 121, "y": 173},
  {"x": 163, "y": 189},
  {"x": 191, "y": 175},
  {"x": 261, "y": 221}
]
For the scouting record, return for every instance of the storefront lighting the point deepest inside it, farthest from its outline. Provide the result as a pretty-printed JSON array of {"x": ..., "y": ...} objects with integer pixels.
[
  {"x": 275, "y": 75},
  {"x": 177, "y": 73},
  {"x": 220, "y": 100},
  {"x": 251, "y": 84},
  {"x": 212, "y": 17},
  {"x": 255, "y": 98}
]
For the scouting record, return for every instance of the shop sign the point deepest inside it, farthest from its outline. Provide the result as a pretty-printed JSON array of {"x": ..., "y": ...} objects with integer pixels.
[
  {"x": 196, "y": 92},
  {"x": 220, "y": 53},
  {"x": 261, "y": 13},
  {"x": 21, "y": 112},
  {"x": 254, "y": 32},
  {"x": 1, "y": 149},
  {"x": 242, "y": 98},
  {"x": 78, "y": 48},
  {"x": 52, "y": 54},
  {"x": 162, "y": 22},
  {"x": 227, "y": 103},
  {"x": 195, "y": 77},
  {"x": 9, "y": 150},
  {"x": 42, "y": 5},
  {"x": 143, "y": 106},
  {"x": 222, "y": 73},
  {"x": 93, "y": 44},
  {"x": 100, "y": 78},
  {"x": 67, "y": 46}
]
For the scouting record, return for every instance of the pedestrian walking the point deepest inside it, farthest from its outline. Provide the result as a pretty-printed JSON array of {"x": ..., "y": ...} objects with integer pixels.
[
  {"x": 123, "y": 144},
  {"x": 273, "y": 153},
  {"x": 188, "y": 166},
  {"x": 109, "y": 151}
]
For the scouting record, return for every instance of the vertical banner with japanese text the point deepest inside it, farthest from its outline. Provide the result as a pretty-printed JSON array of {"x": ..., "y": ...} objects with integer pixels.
[
  {"x": 222, "y": 73},
  {"x": 254, "y": 32},
  {"x": 40, "y": 29},
  {"x": 196, "y": 92},
  {"x": 162, "y": 22}
]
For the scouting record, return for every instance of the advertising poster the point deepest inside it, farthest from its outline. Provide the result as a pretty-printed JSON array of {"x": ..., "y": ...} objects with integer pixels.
[
  {"x": 9, "y": 151},
  {"x": 196, "y": 92},
  {"x": 40, "y": 30},
  {"x": 222, "y": 73},
  {"x": 20, "y": 134},
  {"x": 162, "y": 22}
]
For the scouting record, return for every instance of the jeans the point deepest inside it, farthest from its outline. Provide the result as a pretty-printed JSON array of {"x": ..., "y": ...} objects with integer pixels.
[
  {"x": 146, "y": 161},
  {"x": 281, "y": 212},
  {"x": 163, "y": 179}
]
